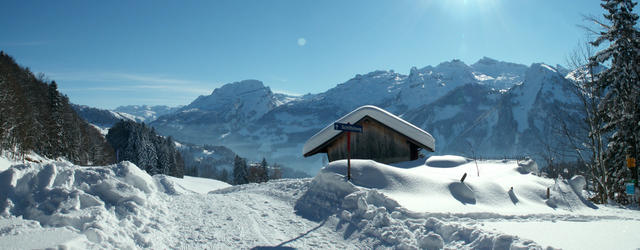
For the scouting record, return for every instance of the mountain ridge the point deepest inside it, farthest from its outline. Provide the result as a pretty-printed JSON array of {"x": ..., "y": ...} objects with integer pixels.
[{"x": 460, "y": 104}]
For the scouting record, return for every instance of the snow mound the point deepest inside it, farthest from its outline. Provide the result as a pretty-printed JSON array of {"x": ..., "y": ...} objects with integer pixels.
[
  {"x": 462, "y": 193},
  {"x": 490, "y": 187},
  {"x": 17, "y": 233},
  {"x": 445, "y": 161},
  {"x": 368, "y": 215},
  {"x": 113, "y": 207},
  {"x": 527, "y": 166},
  {"x": 188, "y": 184},
  {"x": 4, "y": 164}
]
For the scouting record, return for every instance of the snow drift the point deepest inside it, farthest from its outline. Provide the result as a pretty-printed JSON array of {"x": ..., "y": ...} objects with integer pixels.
[
  {"x": 116, "y": 206},
  {"x": 366, "y": 207},
  {"x": 415, "y": 206},
  {"x": 490, "y": 187}
]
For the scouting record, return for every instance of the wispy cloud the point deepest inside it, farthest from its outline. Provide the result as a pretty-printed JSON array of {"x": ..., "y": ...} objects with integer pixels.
[{"x": 133, "y": 82}]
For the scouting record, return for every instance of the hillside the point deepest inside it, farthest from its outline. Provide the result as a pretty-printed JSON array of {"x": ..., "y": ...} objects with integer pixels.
[
  {"x": 411, "y": 205},
  {"x": 145, "y": 113},
  {"x": 493, "y": 108},
  {"x": 34, "y": 116}
]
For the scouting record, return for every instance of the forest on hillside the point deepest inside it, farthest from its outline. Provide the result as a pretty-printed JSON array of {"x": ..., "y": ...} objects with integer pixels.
[{"x": 34, "y": 116}]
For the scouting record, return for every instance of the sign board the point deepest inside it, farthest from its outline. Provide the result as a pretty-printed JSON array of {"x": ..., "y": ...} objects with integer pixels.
[
  {"x": 631, "y": 188},
  {"x": 631, "y": 162},
  {"x": 347, "y": 127}
]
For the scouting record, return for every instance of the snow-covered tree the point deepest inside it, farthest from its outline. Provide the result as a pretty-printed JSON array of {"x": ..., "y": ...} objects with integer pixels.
[
  {"x": 620, "y": 83},
  {"x": 140, "y": 144}
]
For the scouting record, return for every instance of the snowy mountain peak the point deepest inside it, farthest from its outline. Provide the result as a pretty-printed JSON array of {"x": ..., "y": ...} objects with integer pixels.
[
  {"x": 494, "y": 68},
  {"x": 486, "y": 61},
  {"x": 240, "y": 87},
  {"x": 146, "y": 113},
  {"x": 538, "y": 72},
  {"x": 234, "y": 94},
  {"x": 453, "y": 64},
  {"x": 498, "y": 74}
]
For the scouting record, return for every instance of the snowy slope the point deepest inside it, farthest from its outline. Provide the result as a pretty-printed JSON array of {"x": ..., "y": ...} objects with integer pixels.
[
  {"x": 145, "y": 113},
  {"x": 499, "y": 74},
  {"x": 410, "y": 206},
  {"x": 102, "y": 118}
]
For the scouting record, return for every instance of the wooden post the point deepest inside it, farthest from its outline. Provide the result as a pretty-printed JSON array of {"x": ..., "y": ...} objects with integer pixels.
[
  {"x": 548, "y": 193},
  {"x": 348, "y": 155}
]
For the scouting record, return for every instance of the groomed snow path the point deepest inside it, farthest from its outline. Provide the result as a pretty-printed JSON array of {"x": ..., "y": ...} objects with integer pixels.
[{"x": 249, "y": 216}]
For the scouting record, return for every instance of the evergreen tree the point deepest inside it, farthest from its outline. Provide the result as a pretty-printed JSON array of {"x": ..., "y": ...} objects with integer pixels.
[
  {"x": 240, "y": 171},
  {"x": 264, "y": 171},
  {"x": 140, "y": 144},
  {"x": 620, "y": 83}
]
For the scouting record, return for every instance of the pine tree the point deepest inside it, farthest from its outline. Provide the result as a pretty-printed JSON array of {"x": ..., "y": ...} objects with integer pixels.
[
  {"x": 620, "y": 83},
  {"x": 141, "y": 145},
  {"x": 240, "y": 171},
  {"x": 264, "y": 171}
]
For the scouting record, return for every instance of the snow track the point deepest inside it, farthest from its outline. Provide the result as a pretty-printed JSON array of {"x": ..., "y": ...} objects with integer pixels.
[{"x": 248, "y": 216}]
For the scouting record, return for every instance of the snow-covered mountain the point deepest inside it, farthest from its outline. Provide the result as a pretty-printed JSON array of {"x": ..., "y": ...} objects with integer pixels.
[
  {"x": 103, "y": 118},
  {"x": 145, "y": 113},
  {"x": 489, "y": 107}
]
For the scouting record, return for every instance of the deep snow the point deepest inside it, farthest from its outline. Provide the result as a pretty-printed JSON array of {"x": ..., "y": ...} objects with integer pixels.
[{"x": 412, "y": 205}]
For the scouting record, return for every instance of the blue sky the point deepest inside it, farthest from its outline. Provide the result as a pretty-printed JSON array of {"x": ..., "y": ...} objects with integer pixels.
[{"x": 111, "y": 53}]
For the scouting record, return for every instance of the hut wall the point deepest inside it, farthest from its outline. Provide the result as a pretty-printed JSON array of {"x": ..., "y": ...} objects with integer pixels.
[{"x": 377, "y": 142}]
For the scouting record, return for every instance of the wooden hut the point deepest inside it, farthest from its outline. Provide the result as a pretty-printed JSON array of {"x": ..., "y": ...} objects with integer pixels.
[{"x": 385, "y": 138}]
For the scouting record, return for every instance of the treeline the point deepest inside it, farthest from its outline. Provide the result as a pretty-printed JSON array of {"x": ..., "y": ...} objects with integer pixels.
[
  {"x": 34, "y": 116},
  {"x": 138, "y": 143},
  {"x": 208, "y": 161},
  {"x": 244, "y": 173}
]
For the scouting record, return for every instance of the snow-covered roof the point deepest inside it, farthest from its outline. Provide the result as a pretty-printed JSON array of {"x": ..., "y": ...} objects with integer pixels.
[{"x": 390, "y": 120}]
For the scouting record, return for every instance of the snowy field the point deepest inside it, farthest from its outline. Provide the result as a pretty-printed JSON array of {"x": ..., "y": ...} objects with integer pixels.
[{"x": 500, "y": 205}]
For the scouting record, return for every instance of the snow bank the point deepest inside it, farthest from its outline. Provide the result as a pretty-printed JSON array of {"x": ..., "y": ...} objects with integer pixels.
[
  {"x": 116, "y": 206},
  {"x": 368, "y": 215},
  {"x": 491, "y": 187},
  {"x": 527, "y": 166},
  {"x": 17, "y": 233},
  {"x": 445, "y": 161},
  {"x": 189, "y": 184},
  {"x": 5, "y": 163}
]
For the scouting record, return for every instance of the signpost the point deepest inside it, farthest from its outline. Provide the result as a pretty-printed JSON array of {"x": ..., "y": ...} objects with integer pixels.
[
  {"x": 631, "y": 164},
  {"x": 348, "y": 128},
  {"x": 631, "y": 188}
]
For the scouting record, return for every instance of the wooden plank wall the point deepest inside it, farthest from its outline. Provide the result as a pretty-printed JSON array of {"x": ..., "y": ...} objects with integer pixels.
[{"x": 377, "y": 142}]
